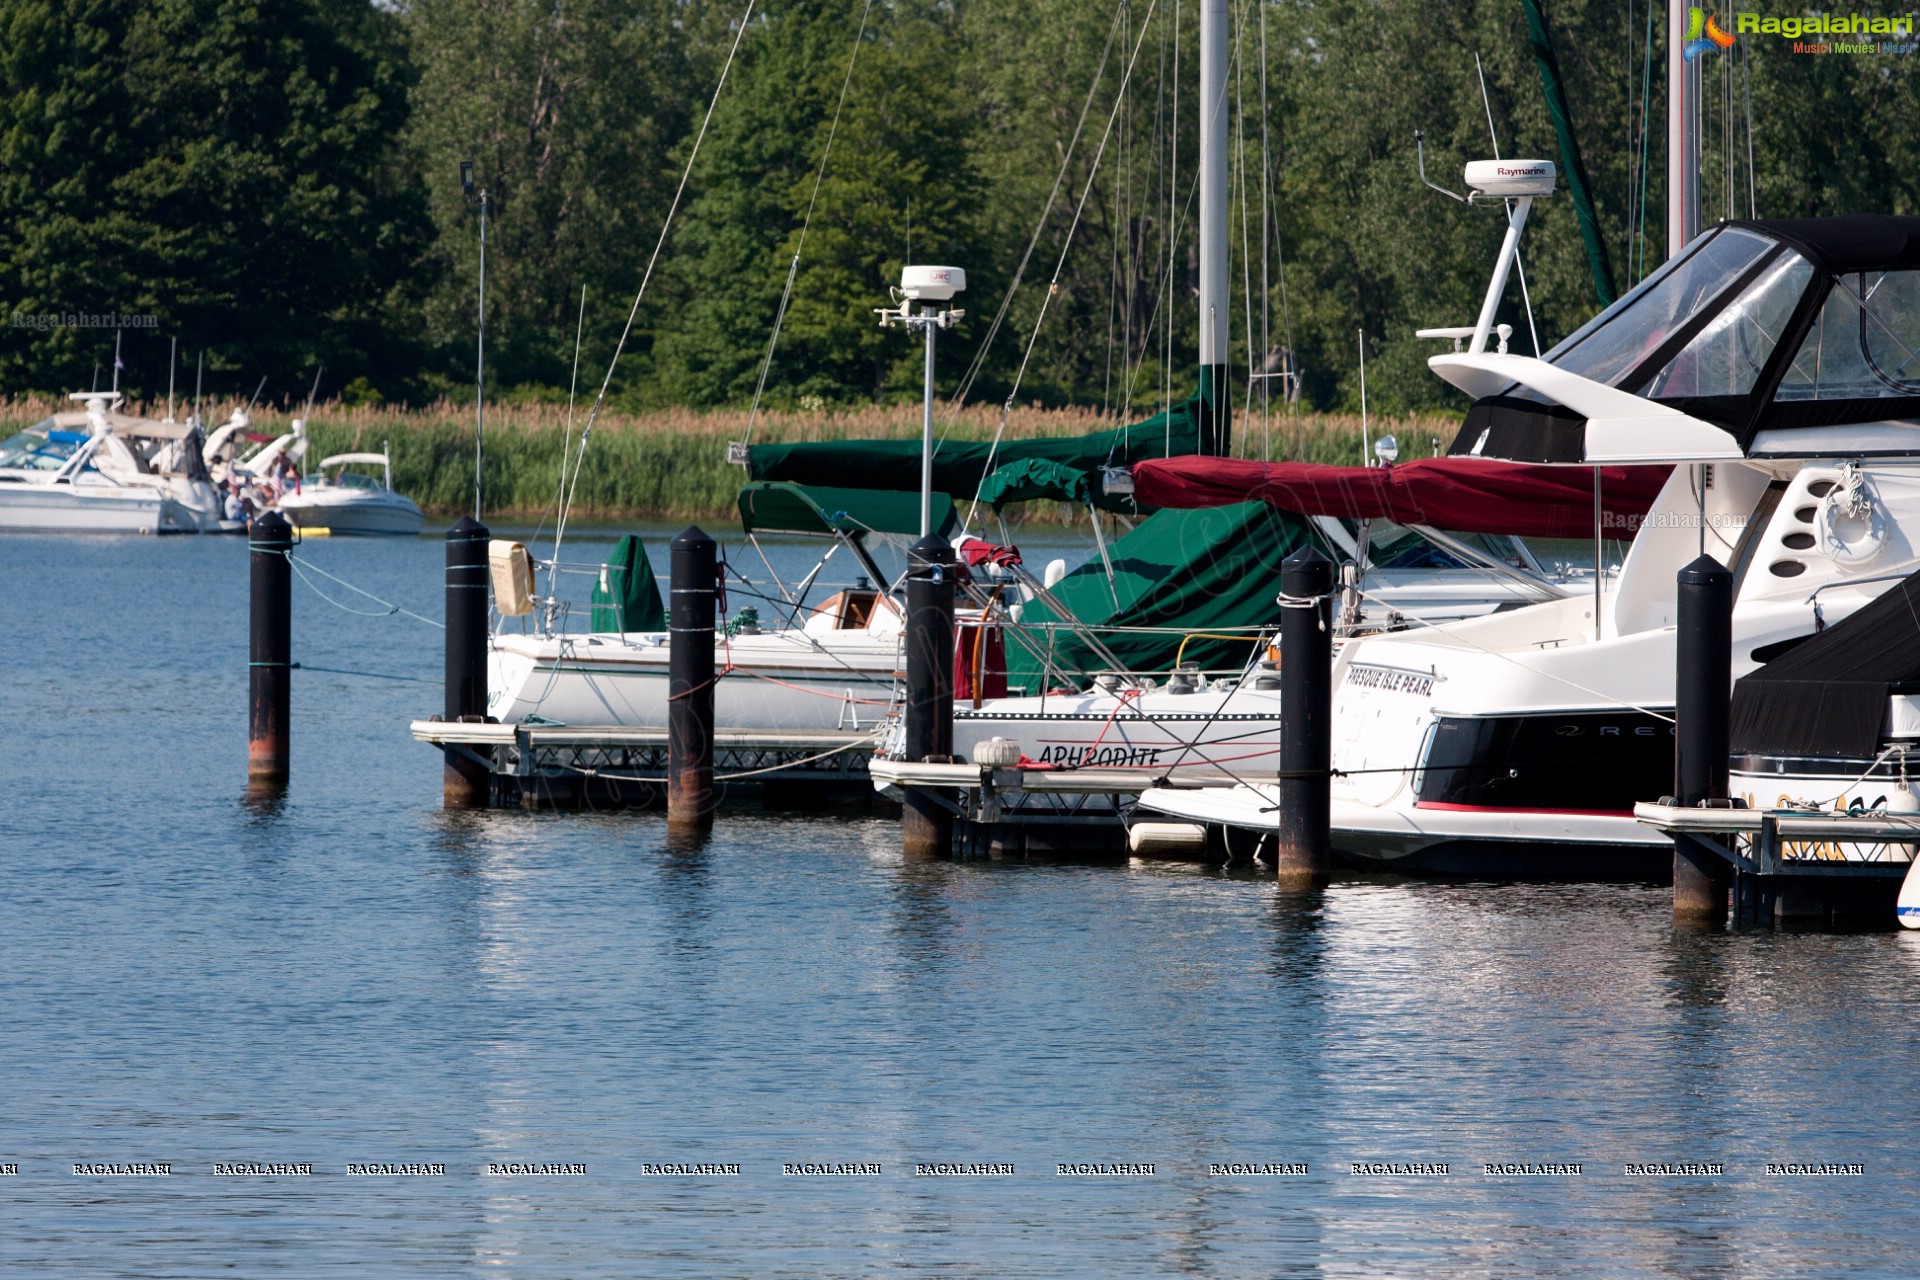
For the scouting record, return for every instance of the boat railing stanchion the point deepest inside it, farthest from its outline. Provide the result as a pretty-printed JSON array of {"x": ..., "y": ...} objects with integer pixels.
[
  {"x": 690, "y": 677},
  {"x": 1303, "y": 847},
  {"x": 467, "y": 778},
  {"x": 269, "y": 651},
  {"x": 926, "y": 825},
  {"x": 1703, "y": 680}
]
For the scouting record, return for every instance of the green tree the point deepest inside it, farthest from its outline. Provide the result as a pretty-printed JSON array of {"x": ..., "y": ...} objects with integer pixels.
[
  {"x": 222, "y": 165},
  {"x": 568, "y": 108},
  {"x": 898, "y": 186}
]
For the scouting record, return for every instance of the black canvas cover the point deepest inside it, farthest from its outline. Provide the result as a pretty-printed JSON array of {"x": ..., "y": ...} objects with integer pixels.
[{"x": 1828, "y": 696}]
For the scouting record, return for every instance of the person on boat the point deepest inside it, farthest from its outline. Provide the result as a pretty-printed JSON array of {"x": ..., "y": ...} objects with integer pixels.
[{"x": 235, "y": 506}]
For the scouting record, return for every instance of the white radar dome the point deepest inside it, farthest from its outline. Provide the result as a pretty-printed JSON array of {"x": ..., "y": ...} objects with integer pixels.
[
  {"x": 1511, "y": 178},
  {"x": 932, "y": 284}
]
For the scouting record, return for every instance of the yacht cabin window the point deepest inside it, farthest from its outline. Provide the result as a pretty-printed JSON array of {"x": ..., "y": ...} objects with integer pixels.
[
  {"x": 1865, "y": 345},
  {"x": 1725, "y": 358},
  {"x": 1632, "y": 329}
]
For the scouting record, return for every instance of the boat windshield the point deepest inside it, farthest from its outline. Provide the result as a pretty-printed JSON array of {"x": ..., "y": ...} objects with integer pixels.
[
  {"x": 1615, "y": 342},
  {"x": 354, "y": 480},
  {"x": 1863, "y": 345},
  {"x": 40, "y": 450}
]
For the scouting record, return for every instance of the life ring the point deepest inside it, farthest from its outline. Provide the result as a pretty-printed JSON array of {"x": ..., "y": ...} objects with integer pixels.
[{"x": 1849, "y": 539}]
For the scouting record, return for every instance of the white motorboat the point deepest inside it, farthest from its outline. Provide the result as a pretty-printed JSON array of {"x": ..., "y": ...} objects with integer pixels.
[
  {"x": 1774, "y": 364},
  {"x": 342, "y": 500},
  {"x": 98, "y": 470}
]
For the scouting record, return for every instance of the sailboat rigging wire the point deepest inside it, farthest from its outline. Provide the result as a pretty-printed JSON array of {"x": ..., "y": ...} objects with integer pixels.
[
  {"x": 806, "y": 222},
  {"x": 1746, "y": 81},
  {"x": 1173, "y": 240},
  {"x": 593, "y": 415},
  {"x": 566, "y": 447},
  {"x": 979, "y": 360},
  {"x": 1639, "y": 230},
  {"x": 1266, "y": 288},
  {"x": 1066, "y": 245},
  {"x": 1240, "y": 165}
]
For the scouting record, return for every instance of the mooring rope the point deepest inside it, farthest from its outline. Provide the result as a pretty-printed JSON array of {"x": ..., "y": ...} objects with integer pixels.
[{"x": 387, "y": 610}]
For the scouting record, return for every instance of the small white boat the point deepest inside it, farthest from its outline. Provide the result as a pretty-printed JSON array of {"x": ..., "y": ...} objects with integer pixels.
[
  {"x": 101, "y": 471},
  {"x": 345, "y": 501}
]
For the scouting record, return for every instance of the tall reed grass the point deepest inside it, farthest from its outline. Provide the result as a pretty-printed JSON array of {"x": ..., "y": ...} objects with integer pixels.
[{"x": 671, "y": 464}]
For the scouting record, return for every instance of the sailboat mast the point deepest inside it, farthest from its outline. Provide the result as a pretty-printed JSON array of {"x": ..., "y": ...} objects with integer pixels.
[
  {"x": 1214, "y": 313},
  {"x": 1683, "y": 134}
]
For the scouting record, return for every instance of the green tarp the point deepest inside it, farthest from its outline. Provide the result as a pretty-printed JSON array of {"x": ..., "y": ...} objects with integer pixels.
[
  {"x": 959, "y": 466},
  {"x": 792, "y": 508},
  {"x": 1034, "y": 478},
  {"x": 1202, "y": 570},
  {"x": 626, "y": 598}
]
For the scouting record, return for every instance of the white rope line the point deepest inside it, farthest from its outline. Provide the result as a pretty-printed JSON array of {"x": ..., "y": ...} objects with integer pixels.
[
  {"x": 388, "y": 611},
  {"x": 793, "y": 268}
]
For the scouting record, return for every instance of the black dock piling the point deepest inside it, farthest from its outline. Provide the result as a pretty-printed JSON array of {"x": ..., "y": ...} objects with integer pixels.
[
  {"x": 270, "y": 649},
  {"x": 1304, "y": 850},
  {"x": 690, "y": 799},
  {"x": 466, "y": 778},
  {"x": 926, "y": 823},
  {"x": 1703, "y": 680}
]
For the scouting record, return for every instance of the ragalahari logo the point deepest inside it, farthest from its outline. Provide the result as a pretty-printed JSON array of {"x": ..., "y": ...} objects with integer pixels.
[{"x": 1703, "y": 35}]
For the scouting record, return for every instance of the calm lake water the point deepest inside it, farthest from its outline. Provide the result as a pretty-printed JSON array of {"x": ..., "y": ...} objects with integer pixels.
[{"x": 351, "y": 976}]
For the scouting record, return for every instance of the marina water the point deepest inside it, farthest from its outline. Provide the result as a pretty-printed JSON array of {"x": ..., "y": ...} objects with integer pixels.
[{"x": 348, "y": 976}]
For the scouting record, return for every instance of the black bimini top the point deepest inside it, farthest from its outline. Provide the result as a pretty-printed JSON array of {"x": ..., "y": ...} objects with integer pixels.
[{"x": 1755, "y": 326}]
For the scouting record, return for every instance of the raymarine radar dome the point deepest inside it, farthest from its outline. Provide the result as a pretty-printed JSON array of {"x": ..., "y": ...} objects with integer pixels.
[
  {"x": 1511, "y": 178},
  {"x": 932, "y": 284}
]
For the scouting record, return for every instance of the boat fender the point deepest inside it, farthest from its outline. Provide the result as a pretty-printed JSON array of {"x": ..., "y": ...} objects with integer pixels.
[
  {"x": 998, "y": 753},
  {"x": 1852, "y": 529},
  {"x": 1179, "y": 838}
]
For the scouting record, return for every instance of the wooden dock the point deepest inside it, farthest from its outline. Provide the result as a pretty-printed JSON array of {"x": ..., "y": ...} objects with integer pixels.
[{"x": 564, "y": 766}]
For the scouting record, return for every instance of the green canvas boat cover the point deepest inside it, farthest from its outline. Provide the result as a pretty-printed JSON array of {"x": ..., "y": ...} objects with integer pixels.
[
  {"x": 1200, "y": 570},
  {"x": 960, "y": 465},
  {"x": 817, "y": 509},
  {"x": 626, "y": 598},
  {"x": 1032, "y": 478}
]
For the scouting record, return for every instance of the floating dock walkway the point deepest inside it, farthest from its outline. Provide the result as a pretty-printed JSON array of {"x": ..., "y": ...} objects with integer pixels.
[{"x": 1792, "y": 865}]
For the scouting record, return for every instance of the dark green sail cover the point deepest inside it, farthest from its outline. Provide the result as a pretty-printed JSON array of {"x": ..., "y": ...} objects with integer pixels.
[
  {"x": 1200, "y": 570},
  {"x": 959, "y": 466},
  {"x": 626, "y": 598}
]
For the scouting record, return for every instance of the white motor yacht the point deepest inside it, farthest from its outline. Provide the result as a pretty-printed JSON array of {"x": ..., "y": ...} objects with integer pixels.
[
  {"x": 1776, "y": 365},
  {"x": 343, "y": 500},
  {"x": 98, "y": 470}
]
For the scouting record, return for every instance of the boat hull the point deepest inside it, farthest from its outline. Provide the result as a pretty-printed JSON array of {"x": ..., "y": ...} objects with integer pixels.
[
  {"x": 29, "y": 508},
  {"x": 353, "y": 514},
  {"x": 778, "y": 681}
]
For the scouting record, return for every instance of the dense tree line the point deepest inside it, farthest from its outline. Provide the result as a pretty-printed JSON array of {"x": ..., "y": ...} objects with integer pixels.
[{"x": 273, "y": 183}]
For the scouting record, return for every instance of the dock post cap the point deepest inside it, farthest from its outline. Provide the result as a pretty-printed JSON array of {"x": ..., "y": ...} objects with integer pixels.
[
  {"x": 270, "y": 527},
  {"x": 693, "y": 536},
  {"x": 1704, "y": 569},
  {"x": 1306, "y": 573},
  {"x": 467, "y": 529}
]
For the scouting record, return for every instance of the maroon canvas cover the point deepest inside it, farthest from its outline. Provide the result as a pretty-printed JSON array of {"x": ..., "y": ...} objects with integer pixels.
[{"x": 1465, "y": 495}]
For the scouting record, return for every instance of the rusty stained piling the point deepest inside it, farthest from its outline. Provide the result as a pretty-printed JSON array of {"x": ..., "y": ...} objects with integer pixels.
[
  {"x": 1703, "y": 680},
  {"x": 694, "y": 581},
  {"x": 1303, "y": 849},
  {"x": 466, "y": 778},
  {"x": 269, "y": 649},
  {"x": 926, "y": 821}
]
